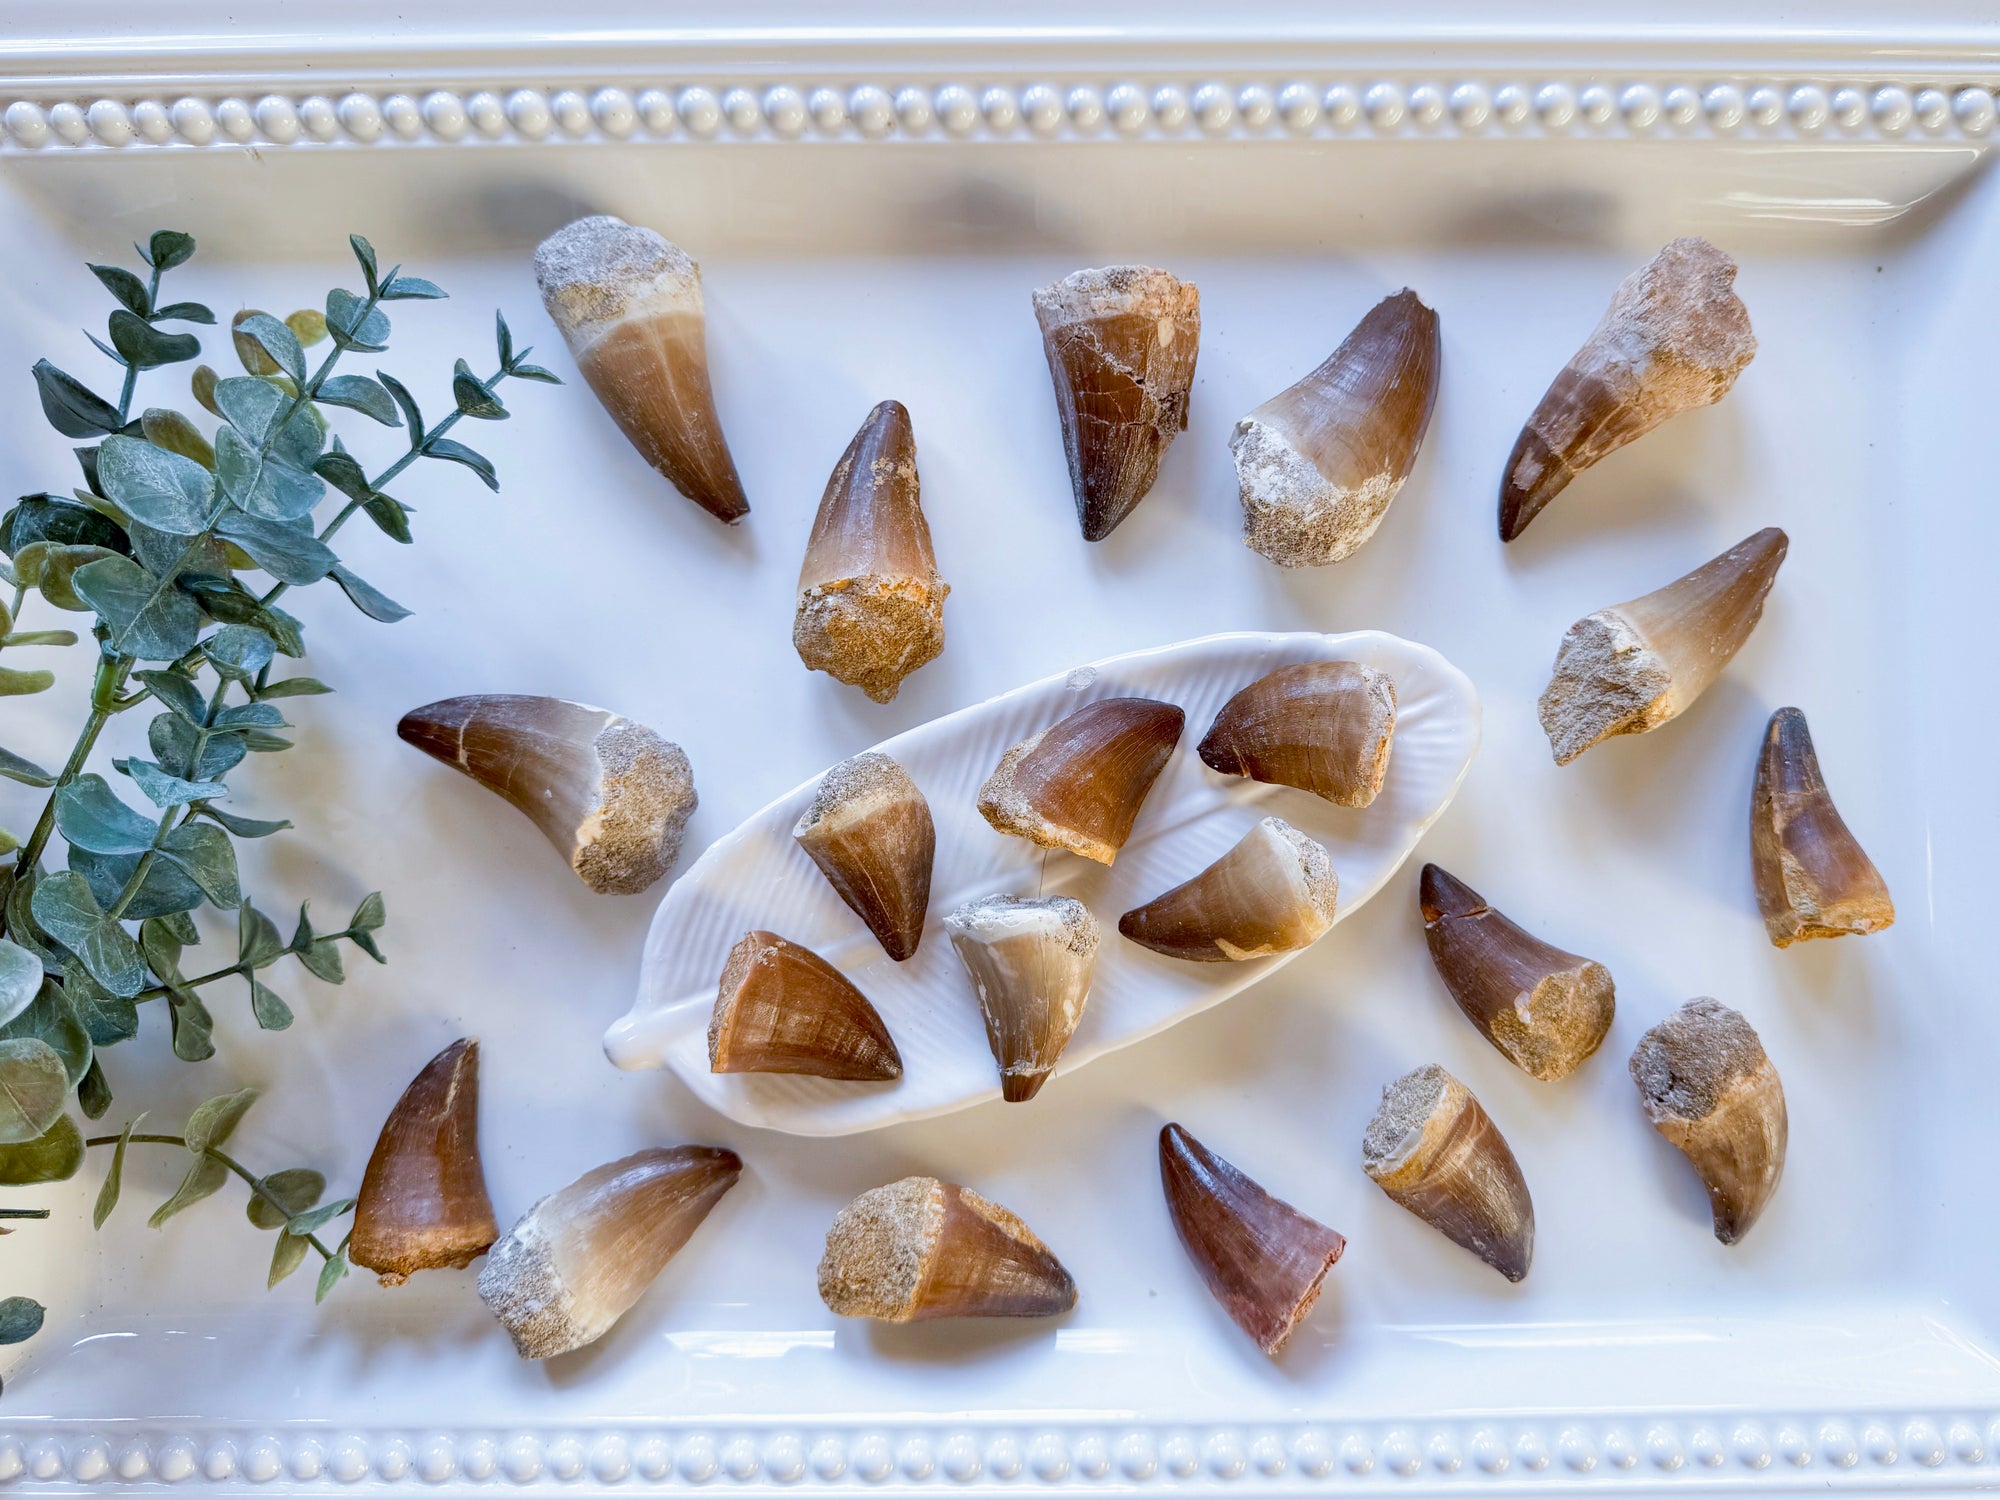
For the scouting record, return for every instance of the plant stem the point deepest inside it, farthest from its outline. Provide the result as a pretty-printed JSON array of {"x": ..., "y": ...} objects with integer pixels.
[
  {"x": 256, "y": 1182},
  {"x": 23, "y": 1213}
]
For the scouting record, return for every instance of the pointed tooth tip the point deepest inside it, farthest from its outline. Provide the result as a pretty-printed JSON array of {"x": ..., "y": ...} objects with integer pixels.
[
  {"x": 1442, "y": 894},
  {"x": 1019, "y": 1088}
]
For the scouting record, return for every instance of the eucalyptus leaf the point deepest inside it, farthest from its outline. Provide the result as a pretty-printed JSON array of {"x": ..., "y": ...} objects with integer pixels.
[
  {"x": 286, "y": 1256},
  {"x": 322, "y": 960},
  {"x": 249, "y": 716},
  {"x": 329, "y": 1277},
  {"x": 458, "y": 453},
  {"x": 72, "y": 408},
  {"x": 54, "y": 1156},
  {"x": 183, "y": 928},
  {"x": 164, "y": 891},
  {"x": 108, "y": 1018},
  {"x": 263, "y": 484},
  {"x": 46, "y": 518},
  {"x": 205, "y": 853},
  {"x": 413, "y": 417},
  {"x": 37, "y": 638},
  {"x": 93, "y": 1095},
  {"x": 91, "y": 816},
  {"x": 269, "y": 1010},
  {"x": 503, "y": 339},
  {"x": 339, "y": 469},
  {"x": 535, "y": 372},
  {"x": 473, "y": 399},
  {"x": 314, "y": 1220},
  {"x": 192, "y": 1026},
  {"x": 202, "y": 384},
  {"x": 245, "y": 828},
  {"x": 410, "y": 288},
  {"x": 67, "y": 911},
  {"x": 165, "y": 790},
  {"x": 308, "y": 326},
  {"x": 287, "y": 551},
  {"x": 296, "y": 1188},
  {"x": 359, "y": 393},
  {"x": 185, "y": 312},
  {"x": 51, "y": 568},
  {"x": 277, "y": 341},
  {"x": 353, "y": 324},
  {"x": 51, "y": 1019},
  {"x": 173, "y": 738},
  {"x": 34, "y": 1085},
  {"x": 170, "y": 430},
  {"x": 20, "y": 979},
  {"x": 263, "y": 742},
  {"x": 370, "y": 600},
  {"x": 16, "y": 683},
  {"x": 257, "y": 940},
  {"x": 390, "y": 515},
  {"x": 370, "y": 914},
  {"x": 205, "y": 1176},
  {"x": 233, "y": 604},
  {"x": 365, "y": 253},
  {"x": 168, "y": 248},
  {"x": 284, "y": 687},
  {"x": 126, "y": 287},
  {"x": 164, "y": 489},
  {"x": 107, "y": 1196},
  {"x": 238, "y": 651},
  {"x": 177, "y": 691},
  {"x": 148, "y": 618},
  {"x": 214, "y": 1120},
  {"x": 165, "y": 555},
  {"x": 251, "y": 406},
  {"x": 146, "y": 347},
  {"x": 162, "y": 947}
]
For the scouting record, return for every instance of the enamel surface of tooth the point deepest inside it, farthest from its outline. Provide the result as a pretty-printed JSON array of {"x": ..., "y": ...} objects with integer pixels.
[
  {"x": 1675, "y": 338},
  {"x": 871, "y": 603},
  {"x": 1707, "y": 1086},
  {"x": 1273, "y": 892},
  {"x": 1323, "y": 727},
  {"x": 1544, "y": 1009},
  {"x": 921, "y": 1249},
  {"x": 629, "y": 305},
  {"x": 869, "y": 830},
  {"x": 1078, "y": 784},
  {"x": 784, "y": 1009},
  {"x": 1029, "y": 959},
  {"x": 1634, "y": 666},
  {"x": 1318, "y": 464},
  {"x": 1433, "y": 1149},
  {"x": 582, "y": 1256},
  {"x": 1262, "y": 1259},
  {"x": 1121, "y": 343},
  {"x": 611, "y": 795},
  {"x": 423, "y": 1204},
  {"x": 1813, "y": 878}
]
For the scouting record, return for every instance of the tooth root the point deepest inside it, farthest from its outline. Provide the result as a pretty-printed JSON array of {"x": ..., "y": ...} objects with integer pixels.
[
  {"x": 1030, "y": 960},
  {"x": 1544, "y": 1009},
  {"x": 1634, "y": 666},
  {"x": 1274, "y": 892},
  {"x": 869, "y": 830},
  {"x": 611, "y": 795},
  {"x": 1121, "y": 344},
  {"x": 1263, "y": 1260},
  {"x": 1707, "y": 1086},
  {"x": 871, "y": 604},
  {"x": 921, "y": 1249},
  {"x": 1323, "y": 727},
  {"x": 1078, "y": 784},
  {"x": 784, "y": 1009},
  {"x": 423, "y": 1204},
  {"x": 1675, "y": 338},
  {"x": 1813, "y": 878},
  {"x": 579, "y": 1259},
  {"x": 629, "y": 304},
  {"x": 1435, "y": 1151},
  {"x": 1318, "y": 464}
]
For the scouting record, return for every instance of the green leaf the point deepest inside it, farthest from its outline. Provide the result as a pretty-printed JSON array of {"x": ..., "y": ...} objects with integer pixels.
[
  {"x": 277, "y": 341},
  {"x": 204, "y": 1177},
  {"x": 413, "y": 417},
  {"x": 365, "y": 253},
  {"x": 68, "y": 912},
  {"x": 146, "y": 347},
  {"x": 297, "y": 1188},
  {"x": 107, "y": 1196},
  {"x": 458, "y": 453},
  {"x": 94, "y": 1093},
  {"x": 148, "y": 618},
  {"x": 286, "y": 1256},
  {"x": 52, "y": 1020},
  {"x": 91, "y": 816},
  {"x": 185, "y": 312},
  {"x": 233, "y": 604},
  {"x": 52, "y": 567},
  {"x": 21, "y": 926},
  {"x": 168, "y": 248},
  {"x": 392, "y": 516},
  {"x": 165, "y": 889},
  {"x": 312, "y": 1221},
  {"x": 126, "y": 287},
  {"x": 260, "y": 741},
  {"x": 38, "y": 638},
  {"x": 20, "y": 979},
  {"x": 257, "y": 940},
  {"x": 177, "y": 691},
  {"x": 284, "y": 687},
  {"x": 193, "y": 1027},
  {"x": 239, "y": 652},
  {"x": 409, "y": 288},
  {"x": 183, "y": 928},
  {"x": 245, "y": 828},
  {"x": 370, "y": 915},
  {"x": 162, "y": 947},
  {"x": 353, "y": 324},
  {"x": 535, "y": 372},
  {"x": 175, "y": 433},
  {"x": 321, "y": 956},
  {"x": 270, "y": 1011},
  {"x": 15, "y": 683},
  {"x": 209, "y": 859},
  {"x": 288, "y": 551},
  {"x": 172, "y": 740},
  {"x": 20, "y": 1317},
  {"x": 339, "y": 469},
  {"x": 252, "y": 406},
  {"x": 329, "y": 1277},
  {"x": 370, "y": 600},
  {"x": 249, "y": 716},
  {"x": 45, "y": 518},
  {"x": 34, "y": 1085},
  {"x": 366, "y": 943},
  {"x": 503, "y": 338},
  {"x": 109, "y": 1019},
  {"x": 161, "y": 488},
  {"x": 214, "y": 1120},
  {"x": 473, "y": 399},
  {"x": 165, "y": 790},
  {"x": 17, "y": 768},
  {"x": 54, "y": 1156},
  {"x": 359, "y": 393},
  {"x": 263, "y": 484},
  {"x": 72, "y": 408}
]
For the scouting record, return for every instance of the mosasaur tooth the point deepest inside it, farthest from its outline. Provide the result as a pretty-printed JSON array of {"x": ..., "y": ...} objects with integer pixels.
[
  {"x": 869, "y": 830},
  {"x": 1325, "y": 727},
  {"x": 1078, "y": 784},
  {"x": 781, "y": 1008},
  {"x": 1030, "y": 960},
  {"x": 1813, "y": 878},
  {"x": 423, "y": 1204},
  {"x": 1273, "y": 892}
]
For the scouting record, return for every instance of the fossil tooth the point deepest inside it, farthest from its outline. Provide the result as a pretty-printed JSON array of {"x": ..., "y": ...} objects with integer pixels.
[
  {"x": 1545, "y": 1009},
  {"x": 921, "y": 1249},
  {"x": 611, "y": 795},
  {"x": 1813, "y": 878},
  {"x": 1707, "y": 1086},
  {"x": 784, "y": 1009},
  {"x": 1121, "y": 344},
  {"x": 1323, "y": 727},
  {"x": 1263, "y": 1260},
  {"x": 871, "y": 604},
  {"x": 628, "y": 302},
  {"x": 1077, "y": 785},
  {"x": 1318, "y": 464},
  {"x": 1634, "y": 666},
  {"x": 1675, "y": 338},
  {"x": 1030, "y": 960},
  {"x": 870, "y": 832},
  {"x": 579, "y": 1259},
  {"x": 423, "y": 1204},
  {"x": 1433, "y": 1149},
  {"x": 1272, "y": 893}
]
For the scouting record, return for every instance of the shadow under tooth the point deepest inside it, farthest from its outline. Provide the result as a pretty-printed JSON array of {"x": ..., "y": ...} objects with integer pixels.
[{"x": 423, "y": 1204}]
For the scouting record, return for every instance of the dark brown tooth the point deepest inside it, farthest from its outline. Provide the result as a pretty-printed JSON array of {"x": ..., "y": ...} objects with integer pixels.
[
  {"x": 1030, "y": 960},
  {"x": 1544, "y": 1009},
  {"x": 1121, "y": 344},
  {"x": 921, "y": 1249},
  {"x": 1078, "y": 784},
  {"x": 611, "y": 795},
  {"x": 1435, "y": 1151},
  {"x": 1324, "y": 727},
  {"x": 423, "y": 1203},
  {"x": 1813, "y": 878},
  {"x": 869, "y": 830},
  {"x": 1675, "y": 338},
  {"x": 871, "y": 604},
  {"x": 1318, "y": 464},
  {"x": 1263, "y": 1260},
  {"x": 1273, "y": 892},
  {"x": 629, "y": 305},
  {"x": 784, "y": 1009}
]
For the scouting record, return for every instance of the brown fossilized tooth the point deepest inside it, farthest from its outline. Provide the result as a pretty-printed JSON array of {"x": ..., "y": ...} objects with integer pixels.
[
  {"x": 611, "y": 795},
  {"x": 1030, "y": 960},
  {"x": 1078, "y": 784},
  {"x": 628, "y": 301},
  {"x": 1318, "y": 464},
  {"x": 1324, "y": 727},
  {"x": 1263, "y": 1260},
  {"x": 871, "y": 604},
  {"x": 1544, "y": 1009},
  {"x": 869, "y": 830},
  {"x": 921, "y": 1249},
  {"x": 1433, "y": 1149},
  {"x": 1675, "y": 338},
  {"x": 782, "y": 1008},
  {"x": 1634, "y": 666},
  {"x": 423, "y": 1203},
  {"x": 579, "y": 1259},
  {"x": 1121, "y": 344},
  {"x": 1707, "y": 1086},
  {"x": 1273, "y": 892},
  {"x": 1813, "y": 878}
]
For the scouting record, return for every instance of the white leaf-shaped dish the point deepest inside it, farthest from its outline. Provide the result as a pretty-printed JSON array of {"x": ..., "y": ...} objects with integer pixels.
[{"x": 758, "y": 877}]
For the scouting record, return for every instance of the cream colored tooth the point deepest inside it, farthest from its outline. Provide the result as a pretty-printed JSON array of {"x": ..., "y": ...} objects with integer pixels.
[
  {"x": 1325, "y": 727},
  {"x": 1030, "y": 960},
  {"x": 423, "y": 1204},
  {"x": 782, "y": 1008},
  {"x": 1273, "y": 892},
  {"x": 870, "y": 831},
  {"x": 1078, "y": 784},
  {"x": 1813, "y": 878}
]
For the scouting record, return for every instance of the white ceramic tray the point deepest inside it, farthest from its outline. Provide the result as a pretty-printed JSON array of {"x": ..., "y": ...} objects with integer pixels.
[{"x": 872, "y": 200}]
